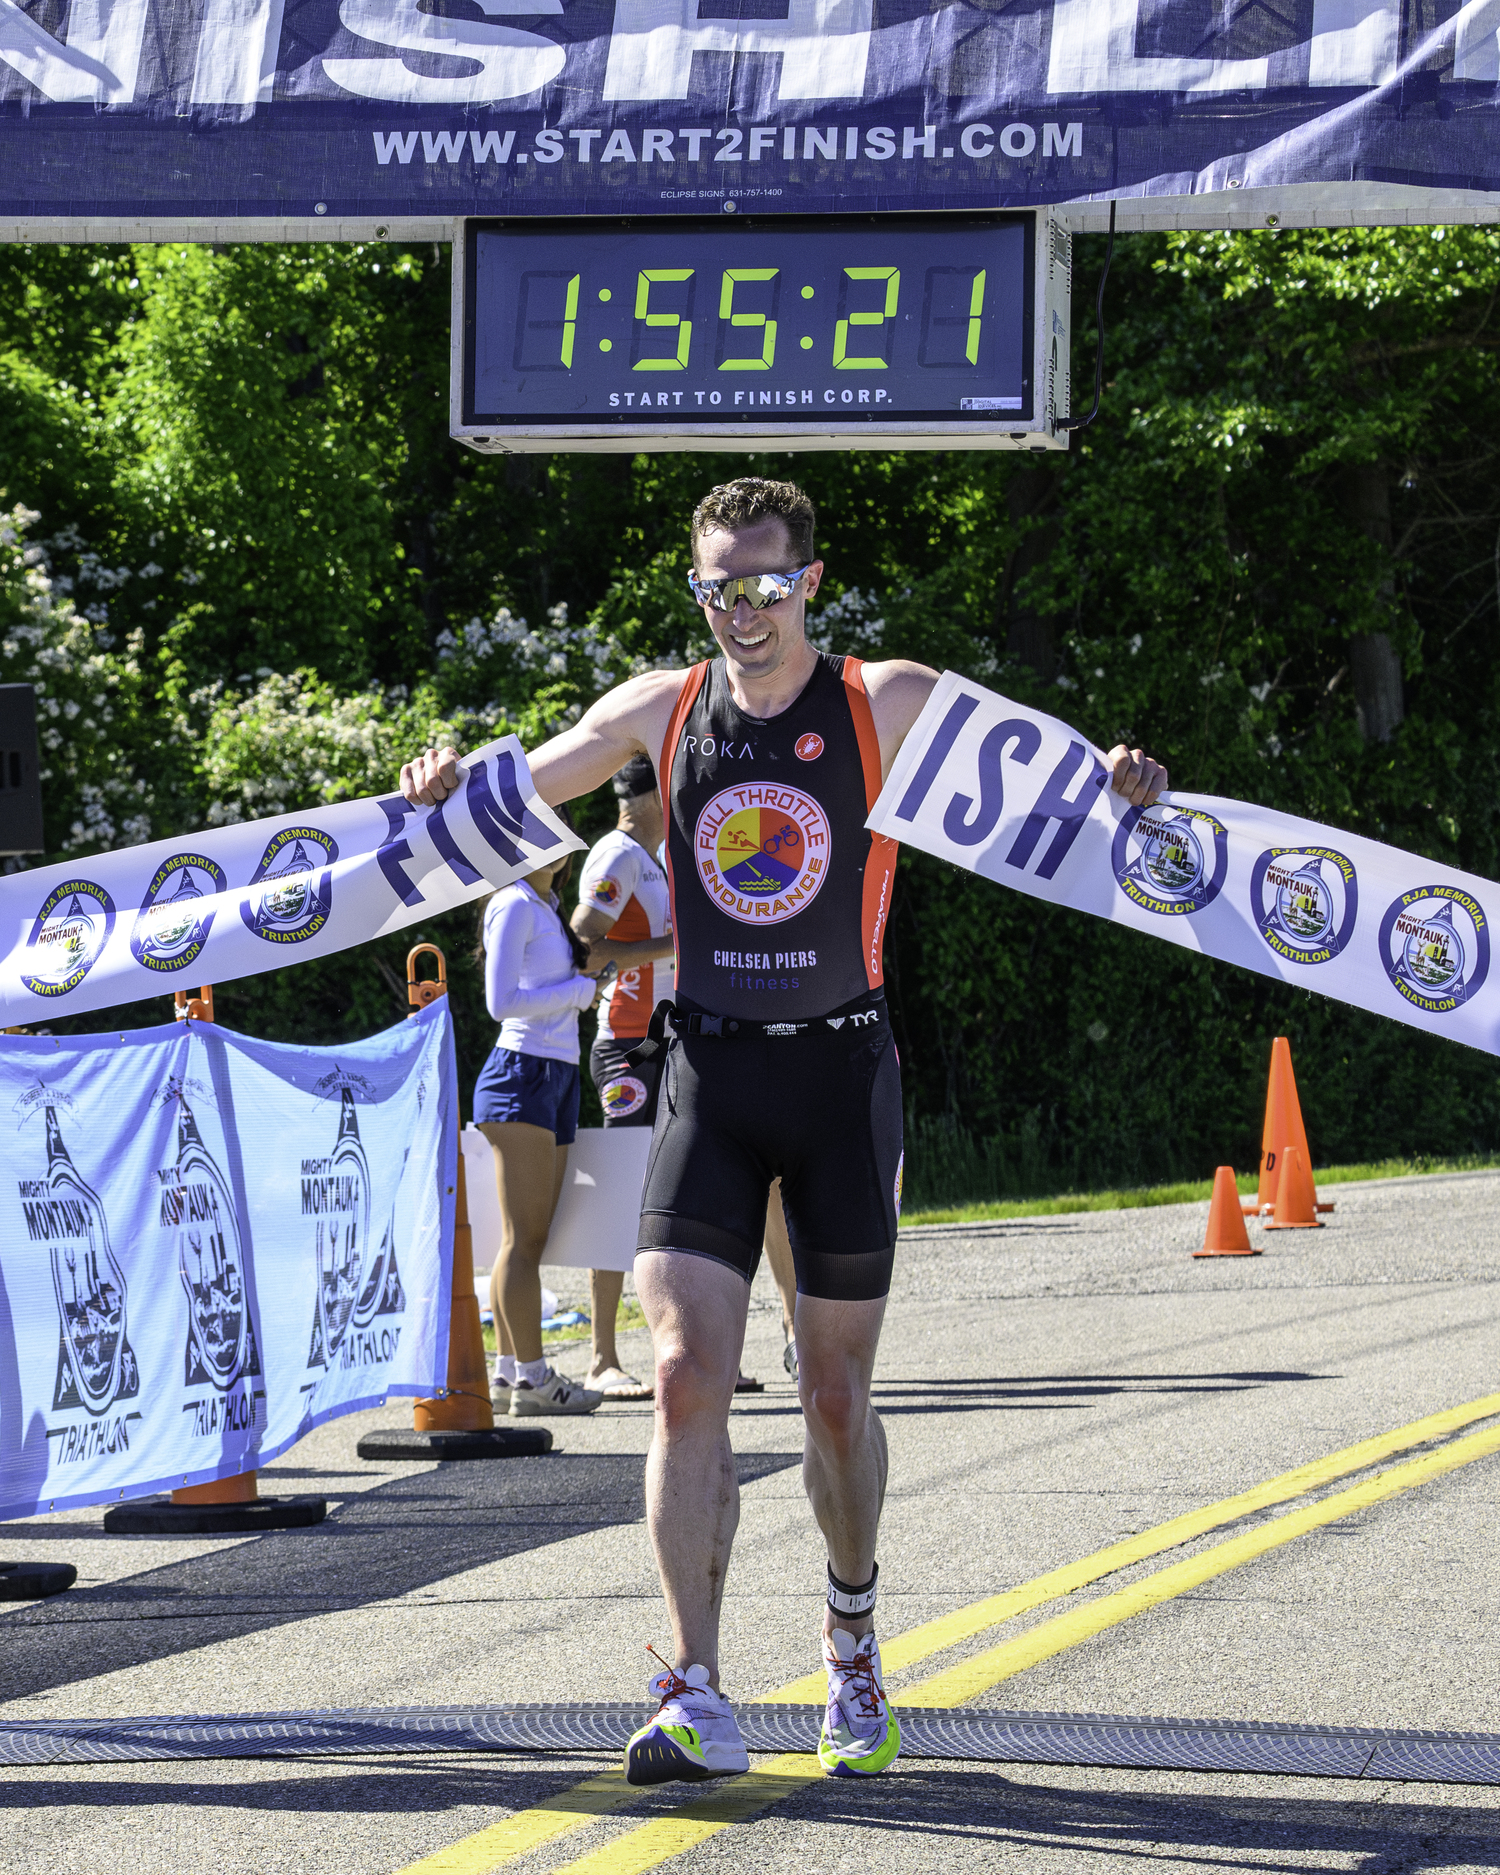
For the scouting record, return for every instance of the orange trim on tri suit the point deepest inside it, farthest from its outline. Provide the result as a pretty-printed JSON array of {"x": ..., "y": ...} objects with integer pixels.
[
  {"x": 880, "y": 866},
  {"x": 864, "y": 727},
  {"x": 686, "y": 698}
]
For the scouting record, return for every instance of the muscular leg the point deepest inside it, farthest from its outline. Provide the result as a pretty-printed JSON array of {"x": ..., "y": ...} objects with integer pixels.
[
  {"x": 697, "y": 1310},
  {"x": 529, "y": 1168},
  {"x": 605, "y": 1290},
  {"x": 844, "y": 1458}
]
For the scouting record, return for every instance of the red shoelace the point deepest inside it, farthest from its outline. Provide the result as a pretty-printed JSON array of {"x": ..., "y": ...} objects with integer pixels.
[
  {"x": 669, "y": 1682},
  {"x": 860, "y": 1672}
]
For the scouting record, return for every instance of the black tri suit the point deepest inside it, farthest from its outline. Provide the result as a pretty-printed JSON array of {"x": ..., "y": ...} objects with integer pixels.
[{"x": 782, "y": 1062}]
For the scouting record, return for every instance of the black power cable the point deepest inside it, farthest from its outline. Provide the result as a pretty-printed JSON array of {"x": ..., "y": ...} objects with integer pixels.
[{"x": 1082, "y": 423}]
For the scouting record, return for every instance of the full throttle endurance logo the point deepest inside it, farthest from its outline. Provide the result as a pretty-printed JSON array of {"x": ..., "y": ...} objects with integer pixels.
[
  {"x": 763, "y": 851},
  {"x": 1306, "y": 901},
  {"x": 291, "y": 890},
  {"x": 1171, "y": 861},
  {"x": 1435, "y": 945}
]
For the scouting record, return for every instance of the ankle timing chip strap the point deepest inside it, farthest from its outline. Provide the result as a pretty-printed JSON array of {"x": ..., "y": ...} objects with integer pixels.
[{"x": 844, "y": 1599}]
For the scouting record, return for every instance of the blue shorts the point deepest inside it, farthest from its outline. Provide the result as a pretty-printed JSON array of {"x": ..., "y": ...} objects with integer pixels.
[{"x": 529, "y": 1088}]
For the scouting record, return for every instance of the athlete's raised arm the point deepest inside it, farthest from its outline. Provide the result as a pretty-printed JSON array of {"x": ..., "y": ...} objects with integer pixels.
[
  {"x": 629, "y": 720},
  {"x": 899, "y": 690}
]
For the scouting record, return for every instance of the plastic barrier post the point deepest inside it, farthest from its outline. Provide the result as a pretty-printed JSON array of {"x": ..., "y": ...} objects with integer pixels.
[
  {"x": 459, "y": 1422},
  {"x": 223, "y": 1505}
]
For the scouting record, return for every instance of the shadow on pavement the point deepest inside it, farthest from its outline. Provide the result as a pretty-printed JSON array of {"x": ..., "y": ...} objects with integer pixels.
[
  {"x": 385, "y": 1542},
  {"x": 963, "y": 1806}
]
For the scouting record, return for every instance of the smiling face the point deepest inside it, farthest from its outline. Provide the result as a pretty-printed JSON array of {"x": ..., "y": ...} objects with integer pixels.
[{"x": 757, "y": 644}]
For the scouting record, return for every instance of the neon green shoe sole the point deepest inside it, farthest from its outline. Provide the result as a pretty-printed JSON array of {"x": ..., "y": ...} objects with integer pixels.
[{"x": 839, "y": 1761}]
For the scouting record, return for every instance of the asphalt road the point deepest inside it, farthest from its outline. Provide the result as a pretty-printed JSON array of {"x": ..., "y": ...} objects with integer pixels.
[{"x": 1049, "y": 1387}]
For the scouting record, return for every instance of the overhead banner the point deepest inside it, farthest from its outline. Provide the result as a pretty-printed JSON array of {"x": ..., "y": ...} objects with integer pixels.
[
  {"x": 211, "y": 1245},
  {"x": 235, "y": 901},
  {"x": 224, "y": 109},
  {"x": 1022, "y": 799}
]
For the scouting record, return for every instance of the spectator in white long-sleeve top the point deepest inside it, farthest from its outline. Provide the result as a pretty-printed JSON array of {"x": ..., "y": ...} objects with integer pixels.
[{"x": 526, "y": 1105}]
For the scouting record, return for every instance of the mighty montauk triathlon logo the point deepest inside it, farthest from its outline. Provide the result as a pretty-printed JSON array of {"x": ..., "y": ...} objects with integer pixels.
[
  {"x": 357, "y": 1280},
  {"x": 1171, "y": 861},
  {"x": 96, "y": 1365},
  {"x": 197, "y": 1211},
  {"x": 1305, "y": 900},
  {"x": 763, "y": 851},
  {"x": 291, "y": 890},
  {"x": 1435, "y": 945},
  {"x": 177, "y": 913},
  {"x": 71, "y": 929}
]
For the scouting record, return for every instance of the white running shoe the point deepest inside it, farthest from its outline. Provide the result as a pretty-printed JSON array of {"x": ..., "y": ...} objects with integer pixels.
[
  {"x": 693, "y": 1736},
  {"x": 860, "y": 1733},
  {"x": 554, "y": 1394}
]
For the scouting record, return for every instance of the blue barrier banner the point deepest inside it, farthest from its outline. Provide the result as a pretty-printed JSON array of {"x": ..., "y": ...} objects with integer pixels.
[
  {"x": 365, "y": 108},
  {"x": 211, "y": 1245},
  {"x": 1020, "y": 798},
  {"x": 237, "y": 900}
]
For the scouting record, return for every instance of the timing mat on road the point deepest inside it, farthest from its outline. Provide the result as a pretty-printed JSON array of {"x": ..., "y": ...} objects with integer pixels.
[{"x": 1061, "y": 1738}]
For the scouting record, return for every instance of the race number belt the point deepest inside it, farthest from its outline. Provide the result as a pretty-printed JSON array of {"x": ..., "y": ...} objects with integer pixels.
[{"x": 667, "y": 1017}]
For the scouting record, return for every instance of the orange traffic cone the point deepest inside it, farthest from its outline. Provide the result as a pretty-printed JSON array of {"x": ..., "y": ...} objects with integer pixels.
[
  {"x": 1282, "y": 1128},
  {"x": 1226, "y": 1235},
  {"x": 1296, "y": 1196}
]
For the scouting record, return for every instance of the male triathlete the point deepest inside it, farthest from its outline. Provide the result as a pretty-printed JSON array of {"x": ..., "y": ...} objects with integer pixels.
[{"x": 781, "y": 1062}]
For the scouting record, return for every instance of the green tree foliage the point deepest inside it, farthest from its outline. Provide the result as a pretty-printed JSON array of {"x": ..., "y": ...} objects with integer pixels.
[{"x": 247, "y": 569}]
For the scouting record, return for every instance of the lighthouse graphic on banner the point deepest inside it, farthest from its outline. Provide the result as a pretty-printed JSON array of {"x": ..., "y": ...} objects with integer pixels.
[
  {"x": 357, "y": 1279},
  {"x": 198, "y": 1206},
  {"x": 95, "y": 1363}
]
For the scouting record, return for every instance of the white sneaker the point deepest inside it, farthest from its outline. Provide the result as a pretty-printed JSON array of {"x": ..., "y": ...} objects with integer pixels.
[
  {"x": 554, "y": 1394},
  {"x": 693, "y": 1736},
  {"x": 499, "y": 1394},
  {"x": 860, "y": 1733}
]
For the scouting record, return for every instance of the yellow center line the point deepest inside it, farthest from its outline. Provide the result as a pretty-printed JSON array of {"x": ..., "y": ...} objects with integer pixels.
[
  {"x": 972, "y": 1677},
  {"x": 735, "y": 1801},
  {"x": 528, "y": 1829},
  {"x": 920, "y": 1643},
  {"x": 571, "y": 1809}
]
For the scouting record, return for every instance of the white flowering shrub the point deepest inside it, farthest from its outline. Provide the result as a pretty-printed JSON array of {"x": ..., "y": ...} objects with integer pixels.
[
  {"x": 89, "y": 700},
  {"x": 846, "y": 624},
  {"x": 294, "y": 742},
  {"x": 543, "y": 677}
]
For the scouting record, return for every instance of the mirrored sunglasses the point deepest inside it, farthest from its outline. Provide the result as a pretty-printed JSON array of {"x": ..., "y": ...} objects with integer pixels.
[{"x": 758, "y": 590}]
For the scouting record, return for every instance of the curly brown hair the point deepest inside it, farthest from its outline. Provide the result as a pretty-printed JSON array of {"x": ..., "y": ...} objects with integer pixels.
[{"x": 733, "y": 505}]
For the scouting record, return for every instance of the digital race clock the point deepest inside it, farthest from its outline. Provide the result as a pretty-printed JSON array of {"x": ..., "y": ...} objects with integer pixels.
[{"x": 890, "y": 331}]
